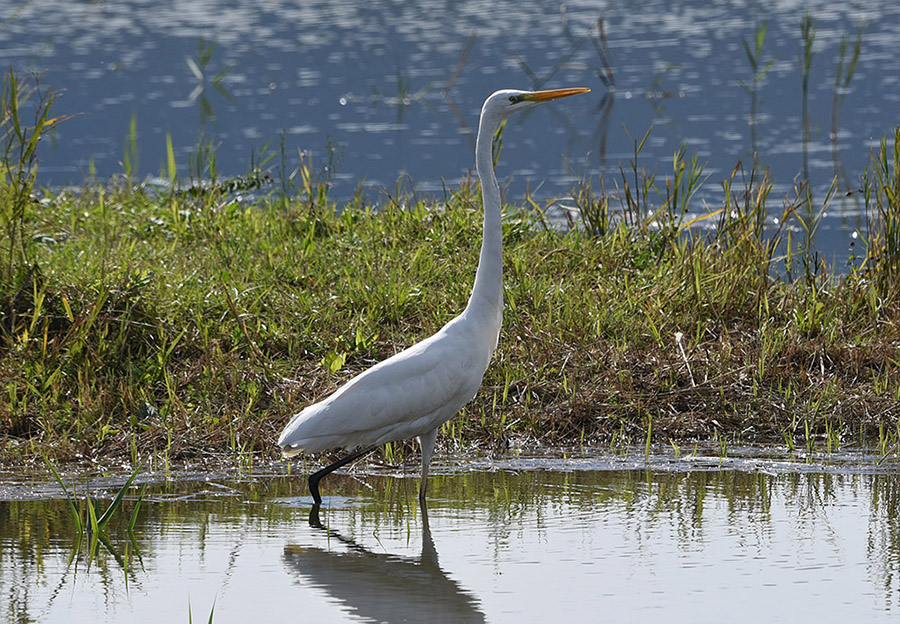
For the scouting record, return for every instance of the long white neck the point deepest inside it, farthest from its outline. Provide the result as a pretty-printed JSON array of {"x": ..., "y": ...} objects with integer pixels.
[{"x": 487, "y": 294}]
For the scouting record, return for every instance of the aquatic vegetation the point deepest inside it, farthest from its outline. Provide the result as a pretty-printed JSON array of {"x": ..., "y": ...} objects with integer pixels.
[
  {"x": 200, "y": 68},
  {"x": 212, "y": 611},
  {"x": 759, "y": 68},
  {"x": 92, "y": 523},
  {"x": 808, "y": 37},
  {"x": 846, "y": 69}
]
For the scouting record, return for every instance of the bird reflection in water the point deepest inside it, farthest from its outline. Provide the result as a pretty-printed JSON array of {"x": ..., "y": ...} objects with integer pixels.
[{"x": 380, "y": 586}]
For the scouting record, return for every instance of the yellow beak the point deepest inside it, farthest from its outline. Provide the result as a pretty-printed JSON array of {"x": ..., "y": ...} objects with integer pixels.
[{"x": 553, "y": 94}]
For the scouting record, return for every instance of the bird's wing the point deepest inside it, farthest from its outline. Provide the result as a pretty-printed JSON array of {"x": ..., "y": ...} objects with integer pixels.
[{"x": 401, "y": 397}]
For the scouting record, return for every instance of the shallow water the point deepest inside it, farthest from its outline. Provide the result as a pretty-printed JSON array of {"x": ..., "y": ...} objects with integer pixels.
[
  {"x": 597, "y": 538},
  {"x": 398, "y": 86}
]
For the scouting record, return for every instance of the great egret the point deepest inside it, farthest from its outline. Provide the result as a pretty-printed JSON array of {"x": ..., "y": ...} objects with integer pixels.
[{"x": 412, "y": 393}]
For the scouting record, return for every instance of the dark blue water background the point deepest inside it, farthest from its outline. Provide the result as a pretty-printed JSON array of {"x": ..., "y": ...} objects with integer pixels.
[{"x": 395, "y": 88}]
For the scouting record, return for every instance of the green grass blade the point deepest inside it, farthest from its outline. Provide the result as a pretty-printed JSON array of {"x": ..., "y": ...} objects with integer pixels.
[
  {"x": 137, "y": 506},
  {"x": 170, "y": 161},
  {"x": 92, "y": 517},
  {"x": 118, "y": 500},
  {"x": 75, "y": 515}
]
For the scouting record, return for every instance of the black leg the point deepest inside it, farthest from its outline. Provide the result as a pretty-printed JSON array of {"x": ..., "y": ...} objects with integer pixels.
[
  {"x": 314, "y": 517},
  {"x": 315, "y": 477}
]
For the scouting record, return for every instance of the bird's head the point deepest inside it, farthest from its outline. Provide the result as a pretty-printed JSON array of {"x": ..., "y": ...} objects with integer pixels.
[{"x": 501, "y": 104}]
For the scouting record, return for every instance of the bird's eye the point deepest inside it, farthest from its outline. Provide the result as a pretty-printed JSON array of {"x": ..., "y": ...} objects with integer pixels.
[{"x": 512, "y": 99}]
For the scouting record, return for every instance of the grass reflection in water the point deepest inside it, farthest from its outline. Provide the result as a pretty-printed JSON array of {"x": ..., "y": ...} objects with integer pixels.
[{"x": 492, "y": 546}]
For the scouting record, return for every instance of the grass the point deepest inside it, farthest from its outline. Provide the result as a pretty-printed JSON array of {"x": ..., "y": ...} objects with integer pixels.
[
  {"x": 760, "y": 70},
  {"x": 167, "y": 324},
  {"x": 92, "y": 523}
]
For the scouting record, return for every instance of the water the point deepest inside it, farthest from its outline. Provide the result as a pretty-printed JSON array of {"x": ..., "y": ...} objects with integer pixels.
[
  {"x": 396, "y": 87},
  {"x": 524, "y": 539}
]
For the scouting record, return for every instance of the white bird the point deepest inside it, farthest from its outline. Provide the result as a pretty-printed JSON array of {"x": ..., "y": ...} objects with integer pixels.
[{"x": 412, "y": 393}]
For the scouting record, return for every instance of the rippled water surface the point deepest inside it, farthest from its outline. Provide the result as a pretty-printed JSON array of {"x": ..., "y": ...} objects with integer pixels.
[
  {"x": 396, "y": 87},
  {"x": 502, "y": 540}
]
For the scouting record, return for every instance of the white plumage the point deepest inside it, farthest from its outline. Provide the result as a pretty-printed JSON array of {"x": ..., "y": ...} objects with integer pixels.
[
  {"x": 412, "y": 393},
  {"x": 401, "y": 397}
]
